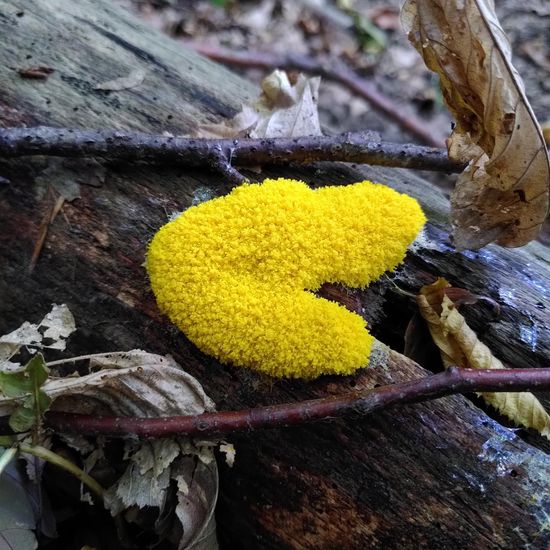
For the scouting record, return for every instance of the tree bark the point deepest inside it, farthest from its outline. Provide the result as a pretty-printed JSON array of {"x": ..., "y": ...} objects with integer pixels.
[{"x": 440, "y": 474}]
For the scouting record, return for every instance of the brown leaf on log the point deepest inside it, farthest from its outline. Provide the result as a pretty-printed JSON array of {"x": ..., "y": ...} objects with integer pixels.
[
  {"x": 459, "y": 345},
  {"x": 40, "y": 72},
  {"x": 502, "y": 196}
]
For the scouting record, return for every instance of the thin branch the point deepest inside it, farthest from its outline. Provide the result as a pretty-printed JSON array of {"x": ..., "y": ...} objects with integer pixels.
[
  {"x": 47, "y": 220},
  {"x": 452, "y": 381},
  {"x": 347, "y": 77},
  {"x": 114, "y": 144}
]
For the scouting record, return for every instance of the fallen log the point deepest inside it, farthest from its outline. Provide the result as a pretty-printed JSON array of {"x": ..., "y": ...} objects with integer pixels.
[{"x": 438, "y": 474}]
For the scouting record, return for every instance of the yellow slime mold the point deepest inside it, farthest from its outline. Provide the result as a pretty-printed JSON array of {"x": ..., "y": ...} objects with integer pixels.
[{"x": 235, "y": 273}]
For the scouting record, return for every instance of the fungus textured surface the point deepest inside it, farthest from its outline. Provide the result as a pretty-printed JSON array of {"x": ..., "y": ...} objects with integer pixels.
[{"x": 235, "y": 274}]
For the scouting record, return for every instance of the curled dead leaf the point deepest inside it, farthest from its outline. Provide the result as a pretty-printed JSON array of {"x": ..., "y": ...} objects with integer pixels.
[
  {"x": 502, "y": 196},
  {"x": 459, "y": 345},
  {"x": 284, "y": 109}
]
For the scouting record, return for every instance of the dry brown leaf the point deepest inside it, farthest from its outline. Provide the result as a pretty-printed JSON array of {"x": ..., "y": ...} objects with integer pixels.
[
  {"x": 503, "y": 194},
  {"x": 459, "y": 345},
  {"x": 135, "y": 78},
  {"x": 282, "y": 110},
  {"x": 39, "y": 72},
  {"x": 56, "y": 326}
]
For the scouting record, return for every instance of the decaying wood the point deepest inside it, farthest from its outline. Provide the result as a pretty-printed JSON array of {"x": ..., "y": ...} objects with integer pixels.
[{"x": 441, "y": 474}]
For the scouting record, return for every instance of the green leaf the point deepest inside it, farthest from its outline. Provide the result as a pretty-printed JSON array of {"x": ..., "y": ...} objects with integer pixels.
[
  {"x": 27, "y": 382},
  {"x": 37, "y": 370},
  {"x": 6, "y": 440},
  {"x": 15, "y": 384},
  {"x": 41, "y": 401},
  {"x": 22, "y": 419}
]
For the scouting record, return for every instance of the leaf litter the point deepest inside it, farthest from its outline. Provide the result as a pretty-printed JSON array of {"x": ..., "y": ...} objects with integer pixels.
[{"x": 175, "y": 476}]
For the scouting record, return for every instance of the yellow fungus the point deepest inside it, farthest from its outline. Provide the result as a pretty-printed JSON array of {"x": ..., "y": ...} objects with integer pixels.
[{"x": 235, "y": 274}]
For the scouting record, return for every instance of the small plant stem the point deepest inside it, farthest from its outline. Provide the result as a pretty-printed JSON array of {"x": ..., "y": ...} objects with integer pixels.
[{"x": 57, "y": 460}]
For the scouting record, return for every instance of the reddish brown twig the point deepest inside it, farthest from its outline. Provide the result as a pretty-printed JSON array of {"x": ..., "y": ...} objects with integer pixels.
[
  {"x": 343, "y": 75},
  {"x": 220, "y": 154},
  {"x": 452, "y": 381}
]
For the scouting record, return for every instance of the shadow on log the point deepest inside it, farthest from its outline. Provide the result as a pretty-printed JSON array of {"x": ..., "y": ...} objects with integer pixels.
[{"x": 436, "y": 475}]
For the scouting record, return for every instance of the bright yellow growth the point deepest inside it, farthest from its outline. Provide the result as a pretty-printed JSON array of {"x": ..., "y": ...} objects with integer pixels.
[{"x": 232, "y": 272}]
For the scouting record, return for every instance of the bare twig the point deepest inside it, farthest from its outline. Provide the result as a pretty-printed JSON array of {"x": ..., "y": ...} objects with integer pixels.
[
  {"x": 343, "y": 75},
  {"x": 452, "y": 381},
  {"x": 47, "y": 220},
  {"x": 114, "y": 144}
]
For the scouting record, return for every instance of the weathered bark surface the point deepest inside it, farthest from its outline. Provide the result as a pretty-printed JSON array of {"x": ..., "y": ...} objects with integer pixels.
[{"x": 434, "y": 475}]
